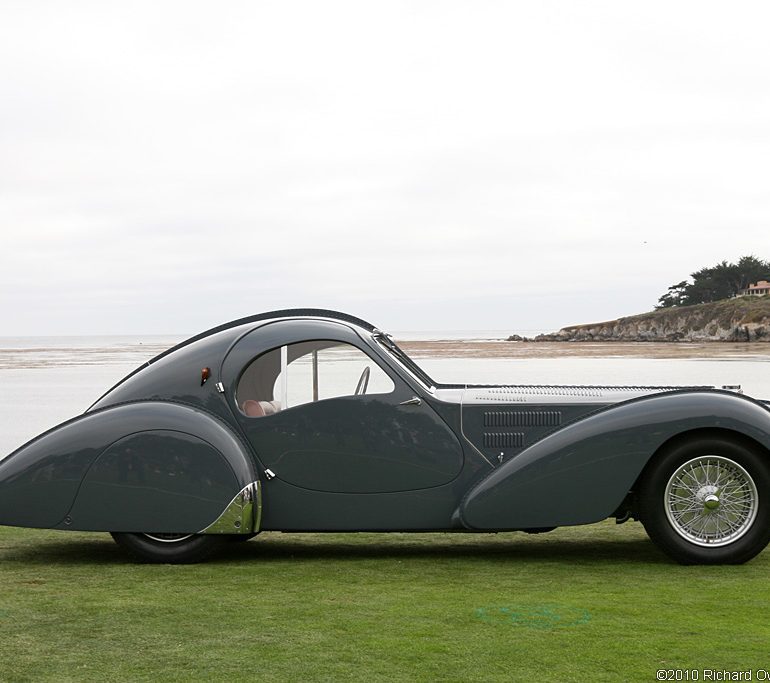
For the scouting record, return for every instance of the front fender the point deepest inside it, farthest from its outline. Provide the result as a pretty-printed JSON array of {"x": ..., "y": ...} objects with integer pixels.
[
  {"x": 581, "y": 473},
  {"x": 145, "y": 466}
]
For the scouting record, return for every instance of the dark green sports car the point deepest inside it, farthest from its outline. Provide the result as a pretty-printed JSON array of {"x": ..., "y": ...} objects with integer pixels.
[{"x": 313, "y": 420}]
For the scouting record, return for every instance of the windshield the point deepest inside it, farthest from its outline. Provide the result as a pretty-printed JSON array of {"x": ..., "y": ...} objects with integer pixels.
[{"x": 403, "y": 360}]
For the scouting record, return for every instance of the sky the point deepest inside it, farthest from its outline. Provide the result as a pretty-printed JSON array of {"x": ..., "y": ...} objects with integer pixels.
[{"x": 168, "y": 166}]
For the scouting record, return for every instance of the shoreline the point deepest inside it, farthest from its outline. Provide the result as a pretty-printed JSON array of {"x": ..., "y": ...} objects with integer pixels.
[
  {"x": 134, "y": 355},
  {"x": 592, "y": 349}
]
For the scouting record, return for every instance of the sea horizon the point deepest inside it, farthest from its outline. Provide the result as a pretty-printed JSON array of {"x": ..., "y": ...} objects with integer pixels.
[{"x": 88, "y": 340}]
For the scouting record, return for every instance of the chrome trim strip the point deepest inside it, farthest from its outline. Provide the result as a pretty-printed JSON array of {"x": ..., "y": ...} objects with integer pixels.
[
  {"x": 242, "y": 516},
  {"x": 168, "y": 538},
  {"x": 284, "y": 377}
]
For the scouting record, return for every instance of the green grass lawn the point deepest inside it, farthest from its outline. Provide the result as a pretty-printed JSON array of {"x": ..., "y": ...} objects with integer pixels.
[{"x": 582, "y": 604}]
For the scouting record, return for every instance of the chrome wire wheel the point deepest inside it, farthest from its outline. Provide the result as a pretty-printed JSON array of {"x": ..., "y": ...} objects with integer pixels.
[{"x": 711, "y": 501}]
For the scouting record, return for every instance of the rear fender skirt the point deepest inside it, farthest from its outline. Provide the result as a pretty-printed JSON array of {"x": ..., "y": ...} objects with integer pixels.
[
  {"x": 144, "y": 466},
  {"x": 581, "y": 473}
]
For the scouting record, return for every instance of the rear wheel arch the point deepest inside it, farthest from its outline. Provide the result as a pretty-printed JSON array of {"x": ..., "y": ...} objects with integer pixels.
[{"x": 166, "y": 467}]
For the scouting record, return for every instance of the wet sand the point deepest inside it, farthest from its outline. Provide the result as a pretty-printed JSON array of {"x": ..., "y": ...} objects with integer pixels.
[
  {"x": 138, "y": 353},
  {"x": 14, "y": 358},
  {"x": 661, "y": 350}
]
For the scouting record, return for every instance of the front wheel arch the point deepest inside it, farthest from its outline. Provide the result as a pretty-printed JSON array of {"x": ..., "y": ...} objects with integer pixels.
[
  {"x": 682, "y": 438},
  {"x": 630, "y": 505}
]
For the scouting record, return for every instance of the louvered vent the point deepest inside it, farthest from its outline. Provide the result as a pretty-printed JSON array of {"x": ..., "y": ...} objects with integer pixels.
[
  {"x": 518, "y": 391},
  {"x": 503, "y": 440},
  {"x": 522, "y": 418}
]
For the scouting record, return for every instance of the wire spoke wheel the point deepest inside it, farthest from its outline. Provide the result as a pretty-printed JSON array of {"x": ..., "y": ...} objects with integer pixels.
[
  {"x": 711, "y": 501},
  {"x": 705, "y": 500}
]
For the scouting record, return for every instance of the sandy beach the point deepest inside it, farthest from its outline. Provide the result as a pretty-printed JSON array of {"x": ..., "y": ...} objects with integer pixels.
[
  {"x": 74, "y": 354},
  {"x": 661, "y": 350},
  {"x": 15, "y": 356}
]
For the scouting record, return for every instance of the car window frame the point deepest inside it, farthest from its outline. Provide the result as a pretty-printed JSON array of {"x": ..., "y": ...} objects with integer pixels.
[{"x": 364, "y": 349}]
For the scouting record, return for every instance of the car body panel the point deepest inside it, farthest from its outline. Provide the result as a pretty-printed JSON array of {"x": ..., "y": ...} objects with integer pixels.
[
  {"x": 503, "y": 431},
  {"x": 290, "y": 508},
  {"x": 581, "y": 473},
  {"x": 349, "y": 444},
  {"x": 171, "y": 465},
  {"x": 176, "y": 377},
  {"x": 356, "y": 444}
]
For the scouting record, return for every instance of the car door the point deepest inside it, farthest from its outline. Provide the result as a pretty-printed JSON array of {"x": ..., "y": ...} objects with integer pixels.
[{"x": 323, "y": 413}]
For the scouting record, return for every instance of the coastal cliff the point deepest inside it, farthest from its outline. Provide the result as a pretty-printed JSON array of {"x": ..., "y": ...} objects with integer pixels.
[{"x": 745, "y": 319}]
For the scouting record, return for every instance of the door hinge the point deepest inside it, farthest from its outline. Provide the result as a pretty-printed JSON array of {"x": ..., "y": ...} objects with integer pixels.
[
  {"x": 269, "y": 474},
  {"x": 220, "y": 387}
]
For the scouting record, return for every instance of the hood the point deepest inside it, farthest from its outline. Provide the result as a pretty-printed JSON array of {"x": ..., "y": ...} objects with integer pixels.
[{"x": 544, "y": 394}]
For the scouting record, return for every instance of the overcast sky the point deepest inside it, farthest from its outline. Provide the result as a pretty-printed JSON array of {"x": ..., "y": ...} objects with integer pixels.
[{"x": 167, "y": 166}]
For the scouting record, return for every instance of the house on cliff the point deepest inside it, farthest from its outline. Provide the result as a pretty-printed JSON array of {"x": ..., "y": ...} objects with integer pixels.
[{"x": 761, "y": 288}]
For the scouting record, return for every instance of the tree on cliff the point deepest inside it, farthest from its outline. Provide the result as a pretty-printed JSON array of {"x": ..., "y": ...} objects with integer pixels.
[{"x": 718, "y": 282}]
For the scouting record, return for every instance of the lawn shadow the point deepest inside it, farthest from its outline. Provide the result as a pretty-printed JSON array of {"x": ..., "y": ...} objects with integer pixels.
[
  {"x": 570, "y": 552},
  {"x": 273, "y": 547},
  {"x": 77, "y": 551},
  {"x": 280, "y": 548}
]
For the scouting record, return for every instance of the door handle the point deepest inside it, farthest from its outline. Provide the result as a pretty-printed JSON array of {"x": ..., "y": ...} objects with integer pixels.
[{"x": 414, "y": 401}]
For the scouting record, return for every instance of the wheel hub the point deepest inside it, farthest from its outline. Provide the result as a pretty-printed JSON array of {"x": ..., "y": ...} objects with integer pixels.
[{"x": 708, "y": 495}]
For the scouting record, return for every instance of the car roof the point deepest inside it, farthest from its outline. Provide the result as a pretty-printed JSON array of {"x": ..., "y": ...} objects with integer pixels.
[
  {"x": 283, "y": 313},
  {"x": 318, "y": 313}
]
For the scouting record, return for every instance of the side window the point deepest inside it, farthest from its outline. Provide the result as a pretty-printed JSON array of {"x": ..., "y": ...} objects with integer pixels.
[{"x": 293, "y": 375}]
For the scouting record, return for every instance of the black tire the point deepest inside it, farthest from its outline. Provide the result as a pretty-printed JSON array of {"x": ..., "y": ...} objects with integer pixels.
[
  {"x": 169, "y": 548},
  {"x": 707, "y": 501}
]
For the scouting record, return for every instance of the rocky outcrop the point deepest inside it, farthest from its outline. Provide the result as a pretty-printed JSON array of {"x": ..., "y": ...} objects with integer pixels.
[{"x": 743, "y": 319}]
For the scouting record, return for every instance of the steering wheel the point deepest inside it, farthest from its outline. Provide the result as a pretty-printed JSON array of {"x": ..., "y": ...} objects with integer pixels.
[{"x": 363, "y": 382}]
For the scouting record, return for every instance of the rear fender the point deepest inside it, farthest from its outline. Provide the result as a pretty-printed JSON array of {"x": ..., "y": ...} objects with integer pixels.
[
  {"x": 145, "y": 466},
  {"x": 581, "y": 473}
]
